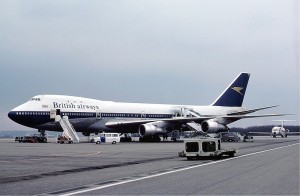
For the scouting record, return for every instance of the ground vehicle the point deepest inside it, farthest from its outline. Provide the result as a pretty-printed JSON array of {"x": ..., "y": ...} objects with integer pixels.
[
  {"x": 63, "y": 139},
  {"x": 247, "y": 138},
  {"x": 230, "y": 137},
  {"x": 180, "y": 135},
  {"x": 204, "y": 147},
  {"x": 36, "y": 138},
  {"x": 107, "y": 138}
]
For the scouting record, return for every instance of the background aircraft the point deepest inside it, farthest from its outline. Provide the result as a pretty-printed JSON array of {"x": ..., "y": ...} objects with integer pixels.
[
  {"x": 281, "y": 131},
  {"x": 278, "y": 130}
]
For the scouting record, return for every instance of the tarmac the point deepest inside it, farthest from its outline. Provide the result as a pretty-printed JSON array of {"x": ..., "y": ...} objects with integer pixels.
[{"x": 267, "y": 166}]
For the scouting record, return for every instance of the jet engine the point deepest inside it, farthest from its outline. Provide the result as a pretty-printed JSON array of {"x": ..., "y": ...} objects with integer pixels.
[
  {"x": 150, "y": 129},
  {"x": 213, "y": 127}
]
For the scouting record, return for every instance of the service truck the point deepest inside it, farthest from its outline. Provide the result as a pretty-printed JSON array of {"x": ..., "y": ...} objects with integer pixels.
[{"x": 204, "y": 147}]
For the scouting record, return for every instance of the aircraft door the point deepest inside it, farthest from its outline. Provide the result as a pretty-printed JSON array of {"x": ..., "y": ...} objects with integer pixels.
[
  {"x": 54, "y": 113},
  {"x": 98, "y": 114},
  {"x": 143, "y": 115}
]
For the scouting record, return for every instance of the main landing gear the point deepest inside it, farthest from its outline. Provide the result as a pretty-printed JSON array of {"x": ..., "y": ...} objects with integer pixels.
[
  {"x": 126, "y": 138},
  {"x": 154, "y": 138}
]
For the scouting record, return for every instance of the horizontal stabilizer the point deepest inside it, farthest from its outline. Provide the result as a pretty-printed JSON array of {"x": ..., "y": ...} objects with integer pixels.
[
  {"x": 253, "y": 116},
  {"x": 251, "y": 111}
]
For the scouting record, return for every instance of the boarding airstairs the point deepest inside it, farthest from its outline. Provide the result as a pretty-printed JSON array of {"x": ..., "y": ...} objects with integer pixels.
[
  {"x": 69, "y": 131},
  {"x": 197, "y": 128},
  {"x": 194, "y": 126}
]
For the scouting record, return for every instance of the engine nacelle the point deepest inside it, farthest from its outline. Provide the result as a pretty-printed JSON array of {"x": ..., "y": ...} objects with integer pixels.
[
  {"x": 213, "y": 127},
  {"x": 149, "y": 130}
]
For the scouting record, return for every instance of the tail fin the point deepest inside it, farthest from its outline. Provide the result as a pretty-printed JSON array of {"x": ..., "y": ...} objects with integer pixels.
[{"x": 233, "y": 96}]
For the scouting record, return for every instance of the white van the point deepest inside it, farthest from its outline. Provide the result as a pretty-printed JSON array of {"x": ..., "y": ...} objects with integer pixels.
[{"x": 107, "y": 138}]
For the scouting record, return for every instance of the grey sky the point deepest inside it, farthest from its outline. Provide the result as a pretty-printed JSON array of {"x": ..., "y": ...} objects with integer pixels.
[{"x": 179, "y": 52}]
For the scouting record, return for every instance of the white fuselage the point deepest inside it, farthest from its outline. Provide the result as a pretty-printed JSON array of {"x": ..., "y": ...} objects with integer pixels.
[
  {"x": 90, "y": 115},
  {"x": 280, "y": 131}
]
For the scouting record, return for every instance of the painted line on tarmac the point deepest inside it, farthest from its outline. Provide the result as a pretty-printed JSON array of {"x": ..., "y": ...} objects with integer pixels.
[
  {"x": 77, "y": 154},
  {"x": 169, "y": 172},
  {"x": 95, "y": 153}
]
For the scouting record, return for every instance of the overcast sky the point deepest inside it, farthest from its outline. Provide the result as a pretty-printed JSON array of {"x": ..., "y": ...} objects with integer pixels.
[{"x": 177, "y": 52}]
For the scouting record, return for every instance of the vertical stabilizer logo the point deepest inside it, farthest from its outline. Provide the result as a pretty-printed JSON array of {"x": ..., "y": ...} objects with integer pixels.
[{"x": 238, "y": 89}]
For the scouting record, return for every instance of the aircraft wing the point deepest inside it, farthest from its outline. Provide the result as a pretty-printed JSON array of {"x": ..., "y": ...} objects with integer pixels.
[
  {"x": 253, "y": 110},
  {"x": 251, "y": 116},
  {"x": 136, "y": 123},
  {"x": 181, "y": 120}
]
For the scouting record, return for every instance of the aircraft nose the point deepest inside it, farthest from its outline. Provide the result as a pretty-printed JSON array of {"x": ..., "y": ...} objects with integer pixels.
[{"x": 11, "y": 115}]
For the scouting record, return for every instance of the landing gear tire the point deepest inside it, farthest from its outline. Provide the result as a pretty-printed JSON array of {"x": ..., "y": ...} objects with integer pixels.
[
  {"x": 231, "y": 154},
  {"x": 150, "y": 139},
  {"x": 125, "y": 139},
  {"x": 42, "y": 132}
]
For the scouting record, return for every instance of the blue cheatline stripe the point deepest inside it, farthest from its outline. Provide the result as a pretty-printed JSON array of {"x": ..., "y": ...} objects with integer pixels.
[
  {"x": 90, "y": 114},
  {"x": 34, "y": 118}
]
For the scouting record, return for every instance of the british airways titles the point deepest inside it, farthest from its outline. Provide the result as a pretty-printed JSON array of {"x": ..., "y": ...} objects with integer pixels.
[{"x": 72, "y": 105}]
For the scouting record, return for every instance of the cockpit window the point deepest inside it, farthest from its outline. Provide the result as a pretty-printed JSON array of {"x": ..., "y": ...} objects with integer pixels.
[{"x": 35, "y": 99}]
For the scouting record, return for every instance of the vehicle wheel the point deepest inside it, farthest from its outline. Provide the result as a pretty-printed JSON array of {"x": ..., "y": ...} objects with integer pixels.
[
  {"x": 114, "y": 142},
  {"x": 98, "y": 142},
  {"x": 92, "y": 140},
  {"x": 231, "y": 154}
]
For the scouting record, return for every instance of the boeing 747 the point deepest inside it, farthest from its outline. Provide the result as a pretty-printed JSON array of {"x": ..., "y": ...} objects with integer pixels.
[{"x": 149, "y": 120}]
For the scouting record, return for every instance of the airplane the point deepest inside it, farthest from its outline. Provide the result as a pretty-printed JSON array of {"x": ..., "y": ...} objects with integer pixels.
[
  {"x": 149, "y": 120},
  {"x": 278, "y": 131},
  {"x": 283, "y": 132}
]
